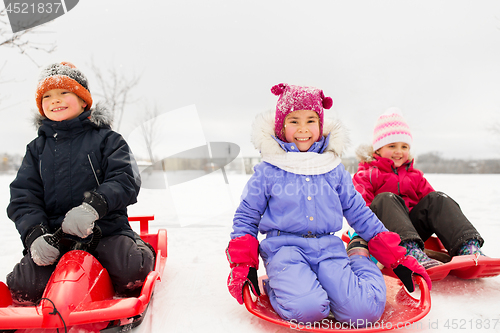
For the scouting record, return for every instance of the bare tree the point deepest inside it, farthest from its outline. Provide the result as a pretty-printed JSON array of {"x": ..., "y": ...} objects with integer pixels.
[
  {"x": 116, "y": 87},
  {"x": 2, "y": 80},
  {"x": 149, "y": 129},
  {"x": 21, "y": 42}
]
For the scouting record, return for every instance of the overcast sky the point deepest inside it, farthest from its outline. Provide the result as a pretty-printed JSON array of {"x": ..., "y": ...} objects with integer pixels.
[{"x": 439, "y": 61}]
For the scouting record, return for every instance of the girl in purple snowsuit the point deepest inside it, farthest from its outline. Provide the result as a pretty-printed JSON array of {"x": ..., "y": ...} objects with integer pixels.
[{"x": 298, "y": 197}]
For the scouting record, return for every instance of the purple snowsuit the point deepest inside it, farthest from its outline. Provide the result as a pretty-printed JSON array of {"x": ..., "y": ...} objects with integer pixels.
[{"x": 309, "y": 271}]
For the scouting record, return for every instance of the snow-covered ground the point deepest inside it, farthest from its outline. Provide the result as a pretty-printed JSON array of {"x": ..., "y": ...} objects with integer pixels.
[{"x": 192, "y": 296}]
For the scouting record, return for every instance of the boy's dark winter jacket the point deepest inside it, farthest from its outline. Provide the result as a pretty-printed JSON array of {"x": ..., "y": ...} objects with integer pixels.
[{"x": 67, "y": 159}]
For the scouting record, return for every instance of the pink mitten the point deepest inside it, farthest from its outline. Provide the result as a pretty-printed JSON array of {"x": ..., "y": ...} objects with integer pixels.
[
  {"x": 385, "y": 248},
  {"x": 243, "y": 256}
]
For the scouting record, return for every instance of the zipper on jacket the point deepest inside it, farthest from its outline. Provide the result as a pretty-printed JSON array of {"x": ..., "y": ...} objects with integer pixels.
[
  {"x": 396, "y": 172},
  {"x": 93, "y": 170},
  {"x": 40, "y": 169},
  {"x": 371, "y": 170}
]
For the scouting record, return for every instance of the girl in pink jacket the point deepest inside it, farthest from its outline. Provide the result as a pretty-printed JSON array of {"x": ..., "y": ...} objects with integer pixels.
[{"x": 404, "y": 200}]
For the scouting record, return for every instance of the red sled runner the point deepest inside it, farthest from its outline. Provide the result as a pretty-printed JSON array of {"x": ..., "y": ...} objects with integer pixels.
[
  {"x": 464, "y": 267},
  {"x": 80, "y": 294},
  {"x": 401, "y": 310}
]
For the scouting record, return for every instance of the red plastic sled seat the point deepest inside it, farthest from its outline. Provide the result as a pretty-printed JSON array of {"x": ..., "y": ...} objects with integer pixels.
[
  {"x": 401, "y": 310},
  {"x": 81, "y": 291}
]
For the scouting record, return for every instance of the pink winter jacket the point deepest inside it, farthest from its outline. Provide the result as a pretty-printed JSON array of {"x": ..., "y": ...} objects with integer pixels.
[{"x": 378, "y": 175}]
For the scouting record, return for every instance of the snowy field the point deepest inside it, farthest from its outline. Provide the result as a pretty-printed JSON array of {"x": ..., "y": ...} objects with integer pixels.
[{"x": 192, "y": 296}]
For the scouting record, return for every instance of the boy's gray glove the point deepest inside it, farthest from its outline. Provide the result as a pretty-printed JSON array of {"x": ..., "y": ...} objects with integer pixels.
[
  {"x": 42, "y": 253},
  {"x": 79, "y": 221}
]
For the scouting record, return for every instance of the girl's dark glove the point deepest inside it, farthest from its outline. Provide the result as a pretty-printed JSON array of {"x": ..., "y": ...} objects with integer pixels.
[{"x": 243, "y": 256}]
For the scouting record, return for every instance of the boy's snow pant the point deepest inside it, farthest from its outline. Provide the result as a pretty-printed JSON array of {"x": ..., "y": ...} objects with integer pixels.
[
  {"x": 128, "y": 262},
  {"x": 309, "y": 277},
  {"x": 435, "y": 213}
]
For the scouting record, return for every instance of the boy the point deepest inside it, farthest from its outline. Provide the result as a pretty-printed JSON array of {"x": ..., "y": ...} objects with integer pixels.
[{"x": 76, "y": 174}]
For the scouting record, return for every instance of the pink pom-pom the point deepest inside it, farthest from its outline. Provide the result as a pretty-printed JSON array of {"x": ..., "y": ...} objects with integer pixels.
[
  {"x": 278, "y": 89},
  {"x": 327, "y": 102}
]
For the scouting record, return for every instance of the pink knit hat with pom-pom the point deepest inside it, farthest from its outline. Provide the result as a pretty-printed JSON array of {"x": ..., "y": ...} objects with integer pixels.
[
  {"x": 293, "y": 98},
  {"x": 390, "y": 128}
]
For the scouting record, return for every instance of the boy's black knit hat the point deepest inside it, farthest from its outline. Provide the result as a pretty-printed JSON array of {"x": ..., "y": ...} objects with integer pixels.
[{"x": 63, "y": 75}]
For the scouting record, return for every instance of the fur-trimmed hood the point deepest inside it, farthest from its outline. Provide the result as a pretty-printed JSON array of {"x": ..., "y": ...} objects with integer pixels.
[
  {"x": 100, "y": 116},
  {"x": 365, "y": 152},
  {"x": 263, "y": 132}
]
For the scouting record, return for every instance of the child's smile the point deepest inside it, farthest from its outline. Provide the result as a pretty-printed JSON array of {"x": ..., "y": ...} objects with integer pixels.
[
  {"x": 62, "y": 104},
  {"x": 397, "y": 152},
  {"x": 59, "y": 109},
  {"x": 302, "y": 128}
]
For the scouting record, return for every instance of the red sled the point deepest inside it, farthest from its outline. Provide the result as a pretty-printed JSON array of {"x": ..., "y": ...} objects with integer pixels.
[
  {"x": 80, "y": 295},
  {"x": 464, "y": 267},
  {"x": 401, "y": 310}
]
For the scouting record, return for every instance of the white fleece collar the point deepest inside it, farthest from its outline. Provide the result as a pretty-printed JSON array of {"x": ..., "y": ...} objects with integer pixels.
[{"x": 305, "y": 163}]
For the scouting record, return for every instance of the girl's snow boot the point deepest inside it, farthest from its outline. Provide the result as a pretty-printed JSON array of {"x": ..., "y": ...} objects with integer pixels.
[
  {"x": 357, "y": 246},
  {"x": 412, "y": 249},
  {"x": 470, "y": 247}
]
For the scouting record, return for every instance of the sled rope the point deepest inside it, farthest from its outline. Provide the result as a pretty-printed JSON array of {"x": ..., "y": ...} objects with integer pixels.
[{"x": 55, "y": 312}]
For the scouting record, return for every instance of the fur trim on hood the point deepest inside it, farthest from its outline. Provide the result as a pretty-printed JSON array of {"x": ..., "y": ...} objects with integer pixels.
[
  {"x": 365, "y": 152},
  {"x": 99, "y": 115},
  {"x": 263, "y": 132}
]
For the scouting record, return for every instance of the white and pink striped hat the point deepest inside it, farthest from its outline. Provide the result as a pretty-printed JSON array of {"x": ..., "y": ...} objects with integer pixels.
[{"x": 391, "y": 127}]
